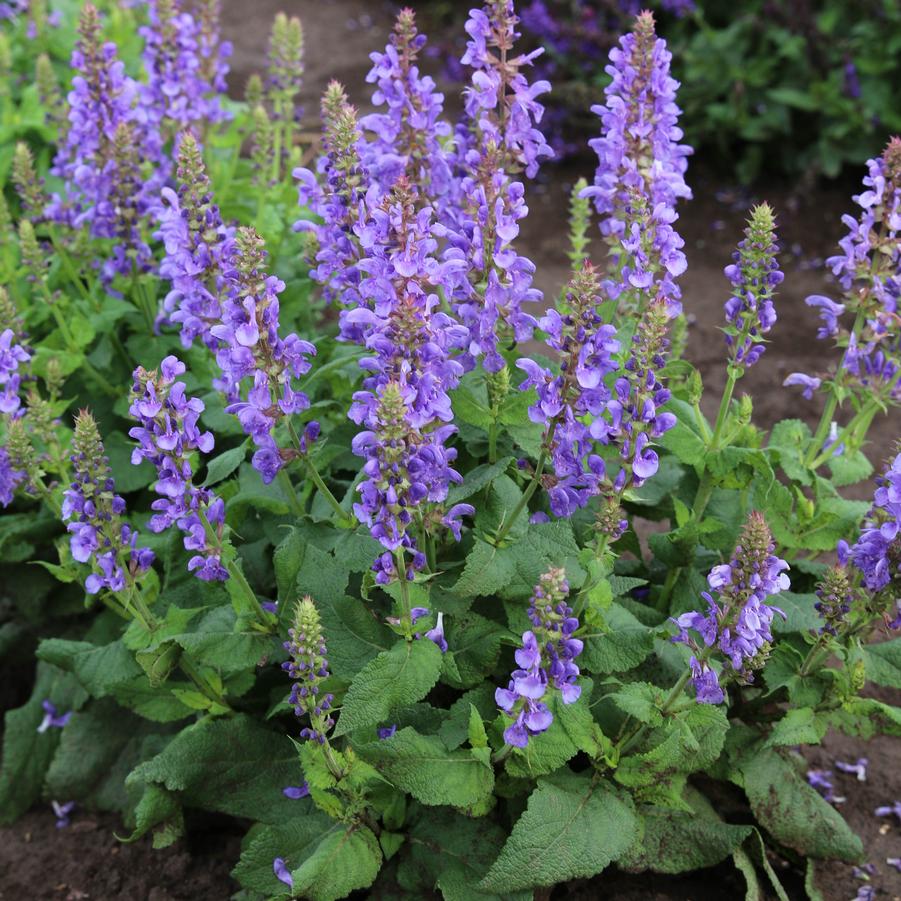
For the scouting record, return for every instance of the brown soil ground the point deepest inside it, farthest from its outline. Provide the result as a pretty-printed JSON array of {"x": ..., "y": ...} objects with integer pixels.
[{"x": 85, "y": 861}]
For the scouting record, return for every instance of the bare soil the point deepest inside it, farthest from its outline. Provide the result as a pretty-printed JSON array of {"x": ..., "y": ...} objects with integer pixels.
[{"x": 86, "y": 861}]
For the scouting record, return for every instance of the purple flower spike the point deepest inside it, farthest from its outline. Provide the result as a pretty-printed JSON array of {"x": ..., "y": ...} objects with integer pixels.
[
  {"x": 738, "y": 623},
  {"x": 545, "y": 661},
  {"x": 296, "y": 792},
  {"x": 167, "y": 435},
  {"x": 641, "y": 169},
  {"x": 875, "y": 553},
  {"x": 52, "y": 719},
  {"x": 282, "y": 873},
  {"x": 13, "y": 354}
]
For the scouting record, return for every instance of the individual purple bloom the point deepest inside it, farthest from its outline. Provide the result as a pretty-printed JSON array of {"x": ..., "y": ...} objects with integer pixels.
[
  {"x": 890, "y": 810},
  {"x": 10, "y": 478},
  {"x": 809, "y": 383},
  {"x": 110, "y": 186},
  {"x": 282, "y": 873},
  {"x": 408, "y": 137},
  {"x": 62, "y": 812},
  {"x": 167, "y": 435},
  {"x": 94, "y": 514},
  {"x": 52, "y": 719},
  {"x": 386, "y": 732},
  {"x": 308, "y": 665},
  {"x": 186, "y": 67},
  {"x": 705, "y": 682},
  {"x": 894, "y": 862},
  {"x": 875, "y": 553},
  {"x": 453, "y": 519},
  {"x": 641, "y": 168},
  {"x": 830, "y": 311},
  {"x": 436, "y": 634},
  {"x": 754, "y": 274},
  {"x": 858, "y": 769},
  {"x": 270, "y": 606},
  {"x": 570, "y": 405},
  {"x": 545, "y": 661},
  {"x": 296, "y": 792},
  {"x": 865, "y": 893},
  {"x": 821, "y": 780},
  {"x": 13, "y": 354},
  {"x": 738, "y": 622}
]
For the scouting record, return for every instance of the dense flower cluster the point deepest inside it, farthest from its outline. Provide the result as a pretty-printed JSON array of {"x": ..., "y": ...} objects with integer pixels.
[
  {"x": 13, "y": 354},
  {"x": 545, "y": 661},
  {"x": 404, "y": 407},
  {"x": 571, "y": 404},
  {"x": 877, "y": 553},
  {"x": 167, "y": 435},
  {"x": 641, "y": 168},
  {"x": 406, "y": 139},
  {"x": 250, "y": 348},
  {"x": 107, "y": 188},
  {"x": 499, "y": 102},
  {"x": 738, "y": 621},
  {"x": 199, "y": 249},
  {"x": 339, "y": 202},
  {"x": 835, "y": 599},
  {"x": 94, "y": 513},
  {"x": 754, "y": 274},
  {"x": 869, "y": 272},
  {"x": 10, "y": 478},
  {"x": 309, "y": 666},
  {"x": 185, "y": 64}
]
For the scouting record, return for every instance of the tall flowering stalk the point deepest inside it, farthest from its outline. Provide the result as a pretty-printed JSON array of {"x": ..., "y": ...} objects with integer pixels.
[
  {"x": 94, "y": 512},
  {"x": 251, "y": 349},
  {"x": 738, "y": 620},
  {"x": 185, "y": 64},
  {"x": 404, "y": 407},
  {"x": 199, "y": 249},
  {"x": 167, "y": 435},
  {"x": 409, "y": 137},
  {"x": 569, "y": 404},
  {"x": 869, "y": 272},
  {"x": 339, "y": 202},
  {"x": 283, "y": 84},
  {"x": 545, "y": 662},
  {"x": 108, "y": 189},
  {"x": 641, "y": 168}
]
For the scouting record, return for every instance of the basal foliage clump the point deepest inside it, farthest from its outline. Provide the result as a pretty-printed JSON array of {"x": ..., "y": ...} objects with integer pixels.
[{"x": 305, "y": 526}]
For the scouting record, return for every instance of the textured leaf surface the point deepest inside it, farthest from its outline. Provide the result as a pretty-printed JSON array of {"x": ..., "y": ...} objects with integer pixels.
[
  {"x": 344, "y": 860},
  {"x": 393, "y": 679},
  {"x": 422, "y": 766},
  {"x": 794, "y": 813},
  {"x": 570, "y": 830},
  {"x": 626, "y": 645}
]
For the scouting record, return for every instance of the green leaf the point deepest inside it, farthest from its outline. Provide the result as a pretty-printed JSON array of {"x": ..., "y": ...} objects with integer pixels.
[
  {"x": 676, "y": 841},
  {"x": 233, "y": 766},
  {"x": 393, "y": 679},
  {"x": 128, "y": 476},
  {"x": 354, "y": 635},
  {"x": 799, "y": 612},
  {"x": 685, "y": 444},
  {"x": 160, "y": 811},
  {"x": 849, "y": 468},
  {"x": 99, "y": 669},
  {"x": 793, "y": 812},
  {"x": 883, "y": 663},
  {"x": 627, "y": 644},
  {"x": 789, "y": 439},
  {"x": 571, "y": 829},
  {"x": 216, "y": 643},
  {"x": 346, "y": 859},
  {"x": 799, "y": 726},
  {"x": 641, "y": 700},
  {"x": 422, "y": 766},
  {"x": 794, "y": 98},
  {"x": 477, "y": 479},
  {"x": 223, "y": 465},
  {"x": 454, "y": 853},
  {"x": 474, "y": 644}
]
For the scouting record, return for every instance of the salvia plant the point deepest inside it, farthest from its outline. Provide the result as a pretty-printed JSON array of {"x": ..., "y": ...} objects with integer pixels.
[{"x": 320, "y": 516}]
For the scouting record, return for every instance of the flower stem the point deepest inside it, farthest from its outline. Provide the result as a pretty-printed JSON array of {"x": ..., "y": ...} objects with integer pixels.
[
  {"x": 636, "y": 735},
  {"x": 406, "y": 611},
  {"x": 344, "y": 520}
]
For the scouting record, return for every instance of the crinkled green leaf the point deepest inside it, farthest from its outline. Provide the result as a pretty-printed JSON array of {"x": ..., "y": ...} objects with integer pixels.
[
  {"x": 345, "y": 859},
  {"x": 99, "y": 669},
  {"x": 393, "y": 679},
  {"x": 627, "y": 644},
  {"x": 572, "y": 828}
]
